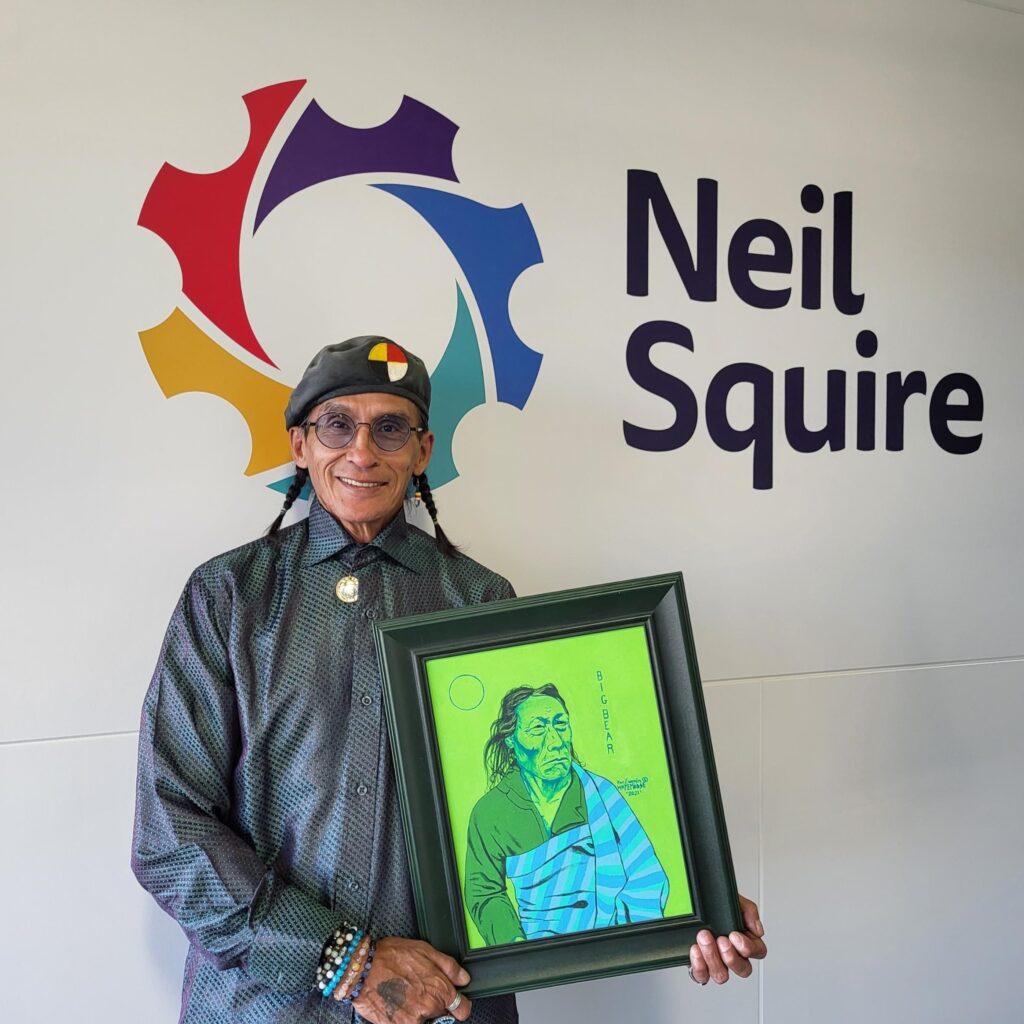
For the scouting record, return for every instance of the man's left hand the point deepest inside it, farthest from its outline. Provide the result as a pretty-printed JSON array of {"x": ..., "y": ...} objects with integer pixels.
[{"x": 715, "y": 959}]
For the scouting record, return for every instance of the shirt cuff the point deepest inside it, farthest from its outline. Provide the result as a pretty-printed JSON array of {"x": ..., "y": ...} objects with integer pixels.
[{"x": 290, "y": 928}]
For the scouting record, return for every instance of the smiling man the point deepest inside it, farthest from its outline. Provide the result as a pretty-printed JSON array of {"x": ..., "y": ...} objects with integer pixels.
[{"x": 267, "y": 817}]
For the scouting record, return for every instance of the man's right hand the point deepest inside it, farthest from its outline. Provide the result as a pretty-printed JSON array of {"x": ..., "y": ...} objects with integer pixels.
[{"x": 411, "y": 982}]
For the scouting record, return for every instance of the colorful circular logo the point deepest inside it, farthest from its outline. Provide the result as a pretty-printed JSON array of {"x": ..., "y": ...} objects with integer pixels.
[{"x": 202, "y": 218}]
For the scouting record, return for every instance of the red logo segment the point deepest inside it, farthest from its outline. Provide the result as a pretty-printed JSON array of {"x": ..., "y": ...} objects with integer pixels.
[{"x": 200, "y": 217}]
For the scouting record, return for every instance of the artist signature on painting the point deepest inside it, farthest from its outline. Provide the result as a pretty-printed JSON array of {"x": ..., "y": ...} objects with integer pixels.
[{"x": 631, "y": 787}]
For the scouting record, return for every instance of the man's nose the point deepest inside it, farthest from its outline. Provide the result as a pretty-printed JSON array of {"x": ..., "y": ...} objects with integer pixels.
[
  {"x": 555, "y": 738},
  {"x": 361, "y": 449}
]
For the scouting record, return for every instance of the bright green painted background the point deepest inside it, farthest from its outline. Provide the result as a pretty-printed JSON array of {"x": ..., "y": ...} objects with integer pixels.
[{"x": 572, "y": 664}]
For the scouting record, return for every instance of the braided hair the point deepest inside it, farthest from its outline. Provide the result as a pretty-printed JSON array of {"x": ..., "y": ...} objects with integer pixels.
[
  {"x": 446, "y": 547},
  {"x": 301, "y": 476}
]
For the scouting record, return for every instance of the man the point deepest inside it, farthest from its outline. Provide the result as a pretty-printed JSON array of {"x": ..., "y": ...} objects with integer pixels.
[
  {"x": 267, "y": 818},
  {"x": 574, "y": 852}
]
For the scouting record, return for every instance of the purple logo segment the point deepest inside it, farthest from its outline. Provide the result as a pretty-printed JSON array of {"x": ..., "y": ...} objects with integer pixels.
[{"x": 416, "y": 140}]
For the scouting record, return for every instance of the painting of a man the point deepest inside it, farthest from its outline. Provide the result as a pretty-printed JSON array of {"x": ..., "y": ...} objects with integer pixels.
[{"x": 553, "y": 848}]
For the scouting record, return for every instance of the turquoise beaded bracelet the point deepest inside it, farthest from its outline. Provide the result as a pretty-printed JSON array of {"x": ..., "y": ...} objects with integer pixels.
[{"x": 336, "y": 957}]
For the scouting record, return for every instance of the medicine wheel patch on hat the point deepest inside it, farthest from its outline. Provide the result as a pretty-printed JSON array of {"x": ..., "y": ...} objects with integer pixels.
[{"x": 391, "y": 359}]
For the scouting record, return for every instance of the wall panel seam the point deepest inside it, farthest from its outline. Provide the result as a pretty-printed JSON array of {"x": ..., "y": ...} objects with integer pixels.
[
  {"x": 865, "y": 670},
  {"x": 709, "y": 683},
  {"x": 994, "y": 6},
  {"x": 760, "y": 841},
  {"x": 69, "y": 739}
]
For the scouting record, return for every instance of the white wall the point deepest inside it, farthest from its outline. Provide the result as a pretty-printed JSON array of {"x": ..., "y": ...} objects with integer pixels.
[{"x": 858, "y": 624}]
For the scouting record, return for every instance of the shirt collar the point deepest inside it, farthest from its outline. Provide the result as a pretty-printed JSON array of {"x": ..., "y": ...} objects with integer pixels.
[{"x": 327, "y": 538}]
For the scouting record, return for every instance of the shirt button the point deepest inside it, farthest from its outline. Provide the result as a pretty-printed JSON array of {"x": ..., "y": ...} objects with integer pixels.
[
  {"x": 370, "y": 613},
  {"x": 354, "y": 886},
  {"x": 361, "y": 789},
  {"x": 366, "y": 700}
]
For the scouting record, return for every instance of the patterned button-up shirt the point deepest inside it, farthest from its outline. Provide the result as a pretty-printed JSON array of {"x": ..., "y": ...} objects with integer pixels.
[{"x": 266, "y": 807}]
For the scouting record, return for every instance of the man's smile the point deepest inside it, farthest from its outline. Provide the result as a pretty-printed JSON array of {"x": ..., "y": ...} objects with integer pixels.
[{"x": 360, "y": 483}]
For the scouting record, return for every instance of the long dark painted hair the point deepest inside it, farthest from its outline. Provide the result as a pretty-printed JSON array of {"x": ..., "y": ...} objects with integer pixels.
[{"x": 499, "y": 760}]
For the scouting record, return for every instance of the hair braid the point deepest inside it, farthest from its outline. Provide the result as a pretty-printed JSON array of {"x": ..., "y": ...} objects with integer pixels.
[
  {"x": 446, "y": 546},
  {"x": 301, "y": 476}
]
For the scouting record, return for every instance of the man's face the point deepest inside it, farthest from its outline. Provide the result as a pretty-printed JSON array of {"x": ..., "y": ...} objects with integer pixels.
[
  {"x": 543, "y": 739},
  {"x": 361, "y": 485}
]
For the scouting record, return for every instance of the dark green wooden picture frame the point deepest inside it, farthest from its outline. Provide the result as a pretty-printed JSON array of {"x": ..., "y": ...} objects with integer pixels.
[{"x": 656, "y": 603}]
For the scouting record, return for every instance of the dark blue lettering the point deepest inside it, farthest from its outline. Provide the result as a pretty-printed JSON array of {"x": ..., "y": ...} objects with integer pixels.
[
  {"x": 867, "y": 346},
  {"x": 699, "y": 276},
  {"x": 846, "y": 300},
  {"x": 743, "y": 262},
  {"x": 940, "y": 412},
  {"x": 812, "y": 200},
  {"x": 759, "y": 433},
  {"x": 897, "y": 391},
  {"x": 662, "y": 384},
  {"x": 800, "y": 437}
]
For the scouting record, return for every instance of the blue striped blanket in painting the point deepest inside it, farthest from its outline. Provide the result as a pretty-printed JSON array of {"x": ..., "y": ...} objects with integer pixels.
[{"x": 596, "y": 875}]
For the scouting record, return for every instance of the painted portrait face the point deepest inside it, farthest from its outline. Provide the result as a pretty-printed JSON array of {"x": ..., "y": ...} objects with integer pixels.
[{"x": 542, "y": 742}]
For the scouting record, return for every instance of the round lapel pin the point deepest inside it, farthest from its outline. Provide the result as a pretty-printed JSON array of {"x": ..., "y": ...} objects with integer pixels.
[{"x": 347, "y": 589}]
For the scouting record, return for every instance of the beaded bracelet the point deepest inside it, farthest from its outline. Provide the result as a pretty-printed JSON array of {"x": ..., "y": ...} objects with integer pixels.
[
  {"x": 356, "y": 974},
  {"x": 340, "y": 968},
  {"x": 358, "y": 987},
  {"x": 332, "y": 953},
  {"x": 337, "y": 954}
]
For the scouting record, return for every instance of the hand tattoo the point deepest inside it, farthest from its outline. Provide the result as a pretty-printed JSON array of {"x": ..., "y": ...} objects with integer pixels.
[{"x": 392, "y": 993}]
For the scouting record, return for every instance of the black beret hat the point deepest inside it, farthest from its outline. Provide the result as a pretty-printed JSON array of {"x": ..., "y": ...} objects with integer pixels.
[{"x": 368, "y": 363}]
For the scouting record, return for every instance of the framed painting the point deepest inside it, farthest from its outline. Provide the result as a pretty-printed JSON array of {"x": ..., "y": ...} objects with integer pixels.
[{"x": 561, "y": 807}]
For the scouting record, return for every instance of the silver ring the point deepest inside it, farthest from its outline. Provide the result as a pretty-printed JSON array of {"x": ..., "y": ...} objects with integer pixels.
[
  {"x": 455, "y": 1003},
  {"x": 693, "y": 979}
]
